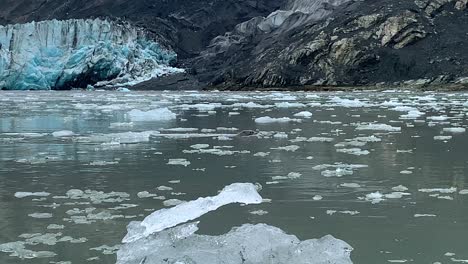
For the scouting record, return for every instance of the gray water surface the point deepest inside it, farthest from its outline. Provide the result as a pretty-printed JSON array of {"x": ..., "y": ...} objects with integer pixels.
[{"x": 404, "y": 200}]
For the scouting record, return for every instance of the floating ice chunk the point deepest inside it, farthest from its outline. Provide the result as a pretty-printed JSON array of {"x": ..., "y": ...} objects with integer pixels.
[
  {"x": 425, "y": 215},
  {"x": 28, "y": 194},
  {"x": 439, "y": 190},
  {"x": 438, "y": 118},
  {"x": 63, "y": 133},
  {"x": 454, "y": 130},
  {"x": 340, "y": 169},
  {"x": 289, "y": 105},
  {"x": 17, "y": 249},
  {"x": 290, "y": 176},
  {"x": 160, "y": 114},
  {"x": 164, "y": 188},
  {"x": 246, "y": 244},
  {"x": 375, "y": 197},
  {"x": 350, "y": 185},
  {"x": 317, "y": 198},
  {"x": 290, "y": 148},
  {"x": 103, "y": 163},
  {"x": 55, "y": 226},
  {"x": 121, "y": 125},
  {"x": 259, "y": 212},
  {"x": 182, "y": 162},
  {"x": 40, "y": 215},
  {"x": 304, "y": 114},
  {"x": 200, "y": 146},
  {"x": 400, "y": 188},
  {"x": 463, "y": 192},
  {"x": 261, "y": 154},
  {"x": 354, "y": 151},
  {"x": 123, "y": 89},
  {"x": 367, "y": 139},
  {"x": 378, "y": 127},
  {"x": 120, "y": 138},
  {"x": 267, "y": 120},
  {"x": 406, "y": 172},
  {"x": 166, "y": 218},
  {"x": 250, "y": 105},
  {"x": 347, "y": 102},
  {"x": 339, "y": 172},
  {"x": 107, "y": 250},
  {"x": 320, "y": 139},
  {"x": 95, "y": 197},
  {"x": 396, "y": 195},
  {"x": 280, "y": 135},
  {"x": 412, "y": 114},
  {"x": 459, "y": 260},
  {"x": 202, "y": 107},
  {"x": 442, "y": 138},
  {"x": 146, "y": 194}
]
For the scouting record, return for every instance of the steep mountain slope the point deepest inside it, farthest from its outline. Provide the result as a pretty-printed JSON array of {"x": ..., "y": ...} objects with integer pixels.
[{"x": 358, "y": 43}]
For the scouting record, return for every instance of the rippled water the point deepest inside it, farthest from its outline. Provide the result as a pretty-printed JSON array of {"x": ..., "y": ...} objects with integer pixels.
[{"x": 400, "y": 196}]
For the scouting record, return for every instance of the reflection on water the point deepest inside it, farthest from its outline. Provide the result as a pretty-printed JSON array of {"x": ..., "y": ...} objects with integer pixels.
[{"x": 409, "y": 202}]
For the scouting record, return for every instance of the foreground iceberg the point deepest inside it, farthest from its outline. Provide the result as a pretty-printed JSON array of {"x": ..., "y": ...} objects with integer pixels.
[
  {"x": 245, "y": 193},
  {"x": 76, "y": 53},
  {"x": 161, "y": 239}
]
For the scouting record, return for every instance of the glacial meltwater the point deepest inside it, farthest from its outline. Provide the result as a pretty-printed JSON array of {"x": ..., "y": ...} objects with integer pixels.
[{"x": 305, "y": 177}]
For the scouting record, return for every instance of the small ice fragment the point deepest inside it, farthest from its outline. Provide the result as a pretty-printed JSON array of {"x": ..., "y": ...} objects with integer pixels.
[
  {"x": 425, "y": 215},
  {"x": 267, "y": 120},
  {"x": 454, "y": 130},
  {"x": 378, "y": 127},
  {"x": 200, "y": 146},
  {"x": 40, "y": 215},
  {"x": 400, "y": 188},
  {"x": 28, "y": 194},
  {"x": 63, "y": 133},
  {"x": 442, "y": 138},
  {"x": 375, "y": 197},
  {"x": 290, "y": 148},
  {"x": 350, "y": 185},
  {"x": 182, "y": 162},
  {"x": 304, "y": 114},
  {"x": 259, "y": 212},
  {"x": 439, "y": 190},
  {"x": 317, "y": 198},
  {"x": 160, "y": 114},
  {"x": 164, "y": 188},
  {"x": 320, "y": 139},
  {"x": 55, "y": 226},
  {"x": 354, "y": 151}
]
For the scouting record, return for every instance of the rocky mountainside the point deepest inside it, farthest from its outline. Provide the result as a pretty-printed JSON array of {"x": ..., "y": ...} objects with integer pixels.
[{"x": 239, "y": 44}]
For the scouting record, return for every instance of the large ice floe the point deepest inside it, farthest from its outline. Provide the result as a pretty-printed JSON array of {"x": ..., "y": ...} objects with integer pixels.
[
  {"x": 76, "y": 53},
  {"x": 166, "y": 237}
]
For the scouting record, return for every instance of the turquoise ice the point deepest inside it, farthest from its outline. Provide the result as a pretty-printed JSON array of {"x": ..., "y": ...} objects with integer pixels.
[{"x": 76, "y": 53}]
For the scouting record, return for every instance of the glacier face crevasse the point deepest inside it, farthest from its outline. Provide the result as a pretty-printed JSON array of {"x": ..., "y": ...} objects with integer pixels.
[{"x": 75, "y": 53}]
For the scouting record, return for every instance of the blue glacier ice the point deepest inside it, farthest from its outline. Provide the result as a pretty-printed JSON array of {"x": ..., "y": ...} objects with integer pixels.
[{"x": 76, "y": 53}]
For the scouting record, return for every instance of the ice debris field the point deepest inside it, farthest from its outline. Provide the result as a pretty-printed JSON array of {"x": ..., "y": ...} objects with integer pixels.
[{"x": 213, "y": 177}]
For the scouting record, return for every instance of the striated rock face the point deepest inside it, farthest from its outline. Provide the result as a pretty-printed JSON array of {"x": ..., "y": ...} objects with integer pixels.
[
  {"x": 352, "y": 43},
  {"x": 77, "y": 53}
]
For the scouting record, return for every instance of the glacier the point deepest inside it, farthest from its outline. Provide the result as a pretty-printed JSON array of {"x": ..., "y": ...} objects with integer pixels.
[
  {"x": 77, "y": 53},
  {"x": 167, "y": 236}
]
